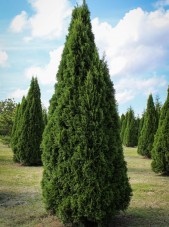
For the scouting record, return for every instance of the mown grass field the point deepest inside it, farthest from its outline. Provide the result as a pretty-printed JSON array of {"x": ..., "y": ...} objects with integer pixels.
[{"x": 21, "y": 201}]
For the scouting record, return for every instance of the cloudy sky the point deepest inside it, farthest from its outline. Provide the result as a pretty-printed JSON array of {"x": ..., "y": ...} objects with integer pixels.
[{"x": 133, "y": 34}]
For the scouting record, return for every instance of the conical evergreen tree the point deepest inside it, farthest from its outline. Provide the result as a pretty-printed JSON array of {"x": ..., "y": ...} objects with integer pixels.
[
  {"x": 131, "y": 131},
  {"x": 141, "y": 124},
  {"x": 122, "y": 126},
  {"x": 160, "y": 151},
  {"x": 85, "y": 175},
  {"x": 17, "y": 130},
  {"x": 158, "y": 106},
  {"x": 14, "y": 133},
  {"x": 32, "y": 127},
  {"x": 149, "y": 129},
  {"x": 53, "y": 103}
]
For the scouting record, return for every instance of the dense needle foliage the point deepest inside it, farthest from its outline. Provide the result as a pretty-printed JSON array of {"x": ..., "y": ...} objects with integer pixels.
[
  {"x": 28, "y": 128},
  {"x": 85, "y": 175},
  {"x": 160, "y": 151},
  {"x": 149, "y": 129}
]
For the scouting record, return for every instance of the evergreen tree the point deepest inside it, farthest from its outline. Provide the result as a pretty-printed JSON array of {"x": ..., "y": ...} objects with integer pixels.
[
  {"x": 16, "y": 130},
  {"x": 158, "y": 106},
  {"x": 53, "y": 103},
  {"x": 149, "y": 129},
  {"x": 160, "y": 151},
  {"x": 141, "y": 124},
  {"x": 137, "y": 128},
  {"x": 122, "y": 120},
  {"x": 45, "y": 116},
  {"x": 31, "y": 128},
  {"x": 85, "y": 175},
  {"x": 131, "y": 131}
]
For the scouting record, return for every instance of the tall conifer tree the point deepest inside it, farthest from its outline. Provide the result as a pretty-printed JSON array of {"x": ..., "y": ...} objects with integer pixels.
[
  {"x": 149, "y": 129},
  {"x": 160, "y": 151},
  {"x": 85, "y": 175},
  {"x": 122, "y": 126},
  {"x": 17, "y": 130},
  {"x": 32, "y": 127},
  {"x": 131, "y": 130}
]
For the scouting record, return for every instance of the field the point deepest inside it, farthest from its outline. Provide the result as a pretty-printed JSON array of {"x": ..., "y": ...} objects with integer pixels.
[{"x": 21, "y": 201}]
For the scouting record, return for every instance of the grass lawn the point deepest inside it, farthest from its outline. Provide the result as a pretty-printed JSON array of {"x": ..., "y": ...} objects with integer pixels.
[{"x": 21, "y": 201}]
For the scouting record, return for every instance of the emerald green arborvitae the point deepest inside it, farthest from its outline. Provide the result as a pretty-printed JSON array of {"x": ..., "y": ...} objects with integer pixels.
[
  {"x": 16, "y": 132},
  {"x": 31, "y": 128},
  {"x": 131, "y": 130},
  {"x": 160, "y": 151},
  {"x": 158, "y": 106},
  {"x": 149, "y": 129},
  {"x": 122, "y": 126},
  {"x": 141, "y": 123},
  {"x": 85, "y": 175}
]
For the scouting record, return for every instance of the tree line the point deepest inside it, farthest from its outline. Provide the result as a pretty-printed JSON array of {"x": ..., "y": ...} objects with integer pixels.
[{"x": 149, "y": 133}]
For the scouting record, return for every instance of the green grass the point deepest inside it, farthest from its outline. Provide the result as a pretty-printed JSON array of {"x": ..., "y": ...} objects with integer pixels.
[{"x": 21, "y": 200}]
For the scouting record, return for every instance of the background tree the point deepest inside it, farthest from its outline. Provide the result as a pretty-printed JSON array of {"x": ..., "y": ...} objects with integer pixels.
[
  {"x": 141, "y": 124},
  {"x": 17, "y": 129},
  {"x": 31, "y": 128},
  {"x": 85, "y": 175},
  {"x": 160, "y": 151},
  {"x": 122, "y": 126},
  {"x": 131, "y": 130},
  {"x": 149, "y": 129},
  {"x": 7, "y": 115},
  {"x": 158, "y": 107}
]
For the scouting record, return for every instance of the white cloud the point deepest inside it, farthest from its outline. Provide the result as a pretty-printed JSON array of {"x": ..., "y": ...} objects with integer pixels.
[
  {"x": 161, "y": 3},
  {"x": 3, "y": 58},
  {"x": 127, "y": 88},
  {"x": 19, "y": 22},
  {"x": 135, "y": 48},
  {"x": 47, "y": 73},
  {"x": 50, "y": 19},
  {"x": 19, "y": 93},
  {"x": 138, "y": 43}
]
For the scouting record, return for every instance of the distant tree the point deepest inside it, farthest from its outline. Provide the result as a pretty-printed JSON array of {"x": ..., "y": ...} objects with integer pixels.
[
  {"x": 31, "y": 128},
  {"x": 16, "y": 130},
  {"x": 158, "y": 107},
  {"x": 131, "y": 130},
  {"x": 122, "y": 119},
  {"x": 141, "y": 124},
  {"x": 137, "y": 123},
  {"x": 45, "y": 116},
  {"x": 160, "y": 151},
  {"x": 149, "y": 129},
  {"x": 85, "y": 175},
  {"x": 7, "y": 115}
]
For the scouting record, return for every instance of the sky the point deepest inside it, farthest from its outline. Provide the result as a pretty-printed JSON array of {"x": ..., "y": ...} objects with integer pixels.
[{"x": 132, "y": 34}]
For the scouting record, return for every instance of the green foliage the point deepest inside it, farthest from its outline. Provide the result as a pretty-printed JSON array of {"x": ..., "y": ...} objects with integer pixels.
[
  {"x": 29, "y": 126},
  {"x": 141, "y": 123},
  {"x": 130, "y": 137},
  {"x": 160, "y": 151},
  {"x": 122, "y": 126},
  {"x": 45, "y": 116},
  {"x": 158, "y": 107},
  {"x": 149, "y": 129},
  {"x": 85, "y": 175},
  {"x": 7, "y": 114},
  {"x": 16, "y": 130}
]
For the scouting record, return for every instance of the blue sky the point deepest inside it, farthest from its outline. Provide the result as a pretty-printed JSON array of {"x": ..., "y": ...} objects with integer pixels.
[{"x": 133, "y": 34}]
